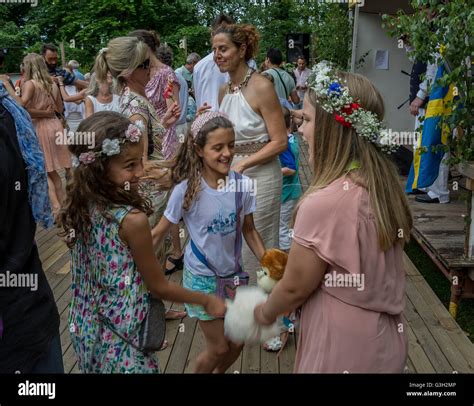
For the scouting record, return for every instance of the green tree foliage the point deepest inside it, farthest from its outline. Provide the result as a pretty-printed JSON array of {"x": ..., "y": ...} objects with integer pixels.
[{"x": 85, "y": 26}]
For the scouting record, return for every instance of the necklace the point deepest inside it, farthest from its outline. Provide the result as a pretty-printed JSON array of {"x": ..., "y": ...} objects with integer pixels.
[{"x": 244, "y": 83}]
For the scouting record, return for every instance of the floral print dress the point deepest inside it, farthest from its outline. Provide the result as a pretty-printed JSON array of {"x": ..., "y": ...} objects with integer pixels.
[
  {"x": 155, "y": 89},
  {"x": 105, "y": 282}
]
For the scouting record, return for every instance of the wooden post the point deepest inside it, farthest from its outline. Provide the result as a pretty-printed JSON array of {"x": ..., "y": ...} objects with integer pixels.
[
  {"x": 354, "y": 38},
  {"x": 467, "y": 169},
  {"x": 63, "y": 54}
]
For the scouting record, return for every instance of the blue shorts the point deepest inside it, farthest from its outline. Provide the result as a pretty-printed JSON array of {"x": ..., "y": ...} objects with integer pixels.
[{"x": 198, "y": 283}]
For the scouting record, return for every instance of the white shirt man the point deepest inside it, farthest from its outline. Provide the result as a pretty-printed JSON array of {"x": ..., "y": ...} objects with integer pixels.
[
  {"x": 207, "y": 80},
  {"x": 302, "y": 74}
]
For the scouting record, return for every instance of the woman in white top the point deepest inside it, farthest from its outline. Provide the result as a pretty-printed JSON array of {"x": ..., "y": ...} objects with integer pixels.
[
  {"x": 100, "y": 96},
  {"x": 250, "y": 101}
]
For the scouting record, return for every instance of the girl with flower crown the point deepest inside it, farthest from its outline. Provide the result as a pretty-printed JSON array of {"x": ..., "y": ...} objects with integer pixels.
[
  {"x": 113, "y": 266},
  {"x": 345, "y": 266}
]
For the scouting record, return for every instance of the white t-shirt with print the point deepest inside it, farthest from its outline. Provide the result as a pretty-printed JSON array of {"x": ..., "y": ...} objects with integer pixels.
[{"x": 211, "y": 222}]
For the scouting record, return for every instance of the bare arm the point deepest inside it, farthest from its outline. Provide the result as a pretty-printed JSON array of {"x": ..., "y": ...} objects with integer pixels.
[
  {"x": 89, "y": 107},
  {"x": 135, "y": 231},
  {"x": 287, "y": 172},
  {"x": 159, "y": 232},
  {"x": 294, "y": 96},
  {"x": 81, "y": 84},
  {"x": 252, "y": 237},
  {"x": 27, "y": 93},
  {"x": 303, "y": 274},
  {"x": 267, "y": 103},
  {"x": 74, "y": 98}
]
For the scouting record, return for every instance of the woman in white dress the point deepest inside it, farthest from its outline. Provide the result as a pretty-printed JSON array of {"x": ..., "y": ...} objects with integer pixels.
[
  {"x": 252, "y": 105},
  {"x": 101, "y": 97}
]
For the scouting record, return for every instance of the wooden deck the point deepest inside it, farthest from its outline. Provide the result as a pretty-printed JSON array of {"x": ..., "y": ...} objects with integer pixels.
[{"x": 436, "y": 342}]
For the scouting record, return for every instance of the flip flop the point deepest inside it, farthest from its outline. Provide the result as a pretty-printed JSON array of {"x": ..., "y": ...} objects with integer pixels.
[
  {"x": 175, "y": 314},
  {"x": 164, "y": 346}
]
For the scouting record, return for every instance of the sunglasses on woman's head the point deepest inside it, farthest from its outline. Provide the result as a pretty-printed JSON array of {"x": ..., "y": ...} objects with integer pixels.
[{"x": 144, "y": 65}]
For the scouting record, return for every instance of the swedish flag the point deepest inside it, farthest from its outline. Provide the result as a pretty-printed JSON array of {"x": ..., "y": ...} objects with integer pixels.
[{"x": 425, "y": 167}]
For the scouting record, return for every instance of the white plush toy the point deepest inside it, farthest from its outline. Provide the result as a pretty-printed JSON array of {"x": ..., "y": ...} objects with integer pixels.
[{"x": 240, "y": 325}]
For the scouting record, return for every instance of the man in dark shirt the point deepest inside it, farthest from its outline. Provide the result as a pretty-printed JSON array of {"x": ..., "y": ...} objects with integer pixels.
[
  {"x": 29, "y": 319},
  {"x": 50, "y": 55}
]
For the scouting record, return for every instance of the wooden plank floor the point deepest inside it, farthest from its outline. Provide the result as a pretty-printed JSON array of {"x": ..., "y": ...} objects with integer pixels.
[
  {"x": 440, "y": 227},
  {"x": 436, "y": 342}
]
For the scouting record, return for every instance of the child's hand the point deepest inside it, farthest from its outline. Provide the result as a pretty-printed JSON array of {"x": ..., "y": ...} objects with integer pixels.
[
  {"x": 162, "y": 176},
  {"x": 205, "y": 107},
  {"x": 215, "y": 306}
]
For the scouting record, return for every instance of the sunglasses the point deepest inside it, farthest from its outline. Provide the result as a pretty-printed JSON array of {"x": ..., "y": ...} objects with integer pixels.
[{"x": 145, "y": 65}]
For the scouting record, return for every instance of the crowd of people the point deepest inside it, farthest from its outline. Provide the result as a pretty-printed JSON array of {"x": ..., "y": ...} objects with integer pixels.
[{"x": 164, "y": 143}]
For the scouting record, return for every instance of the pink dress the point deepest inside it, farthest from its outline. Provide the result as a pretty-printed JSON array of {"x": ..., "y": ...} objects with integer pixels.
[
  {"x": 154, "y": 92},
  {"x": 56, "y": 155},
  {"x": 356, "y": 327}
]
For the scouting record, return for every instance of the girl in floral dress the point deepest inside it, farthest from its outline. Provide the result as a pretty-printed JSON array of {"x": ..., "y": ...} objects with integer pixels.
[{"x": 114, "y": 269}]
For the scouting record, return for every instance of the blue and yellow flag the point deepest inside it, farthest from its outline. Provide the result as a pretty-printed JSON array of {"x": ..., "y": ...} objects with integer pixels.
[{"x": 425, "y": 166}]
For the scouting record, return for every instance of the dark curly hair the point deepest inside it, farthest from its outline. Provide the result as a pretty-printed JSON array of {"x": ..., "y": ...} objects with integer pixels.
[
  {"x": 90, "y": 185},
  {"x": 242, "y": 34}
]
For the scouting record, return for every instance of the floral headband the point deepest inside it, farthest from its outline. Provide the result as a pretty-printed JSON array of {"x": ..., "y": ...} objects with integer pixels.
[
  {"x": 203, "y": 119},
  {"x": 110, "y": 147},
  {"x": 335, "y": 98}
]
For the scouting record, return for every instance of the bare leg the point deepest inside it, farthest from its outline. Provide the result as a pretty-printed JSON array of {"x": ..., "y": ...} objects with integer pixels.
[
  {"x": 233, "y": 354},
  {"x": 58, "y": 186},
  {"x": 217, "y": 346},
  {"x": 53, "y": 197}
]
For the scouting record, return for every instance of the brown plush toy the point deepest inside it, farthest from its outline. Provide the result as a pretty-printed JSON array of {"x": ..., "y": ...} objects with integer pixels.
[{"x": 273, "y": 264}]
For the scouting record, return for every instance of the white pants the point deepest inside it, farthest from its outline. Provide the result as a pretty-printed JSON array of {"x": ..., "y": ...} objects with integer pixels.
[
  {"x": 439, "y": 188},
  {"x": 285, "y": 218}
]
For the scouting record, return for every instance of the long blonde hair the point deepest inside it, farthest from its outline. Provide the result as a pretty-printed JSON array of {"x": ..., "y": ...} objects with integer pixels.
[
  {"x": 121, "y": 57},
  {"x": 35, "y": 69},
  {"x": 336, "y": 146},
  {"x": 94, "y": 86}
]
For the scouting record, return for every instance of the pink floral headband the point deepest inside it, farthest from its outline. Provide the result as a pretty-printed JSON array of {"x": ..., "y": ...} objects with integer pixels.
[
  {"x": 110, "y": 147},
  {"x": 203, "y": 119}
]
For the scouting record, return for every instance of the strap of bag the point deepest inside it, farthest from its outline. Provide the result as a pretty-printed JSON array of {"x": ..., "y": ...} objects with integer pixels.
[
  {"x": 282, "y": 82},
  {"x": 238, "y": 235},
  {"x": 238, "y": 229}
]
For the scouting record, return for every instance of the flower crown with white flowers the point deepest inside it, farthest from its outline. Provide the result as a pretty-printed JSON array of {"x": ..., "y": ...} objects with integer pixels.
[
  {"x": 334, "y": 97},
  {"x": 110, "y": 147}
]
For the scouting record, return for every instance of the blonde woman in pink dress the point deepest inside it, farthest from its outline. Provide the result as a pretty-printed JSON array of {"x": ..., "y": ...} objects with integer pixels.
[
  {"x": 41, "y": 98},
  {"x": 345, "y": 266}
]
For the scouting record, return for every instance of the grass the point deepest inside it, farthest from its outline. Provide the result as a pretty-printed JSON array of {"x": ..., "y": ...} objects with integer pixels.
[{"x": 441, "y": 286}]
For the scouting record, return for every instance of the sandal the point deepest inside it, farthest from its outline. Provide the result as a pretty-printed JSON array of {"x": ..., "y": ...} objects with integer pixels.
[
  {"x": 164, "y": 346},
  {"x": 178, "y": 264},
  {"x": 273, "y": 344}
]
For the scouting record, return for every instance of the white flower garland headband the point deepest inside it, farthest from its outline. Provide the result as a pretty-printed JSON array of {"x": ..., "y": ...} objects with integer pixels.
[
  {"x": 110, "y": 147},
  {"x": 334, "y": 98}
]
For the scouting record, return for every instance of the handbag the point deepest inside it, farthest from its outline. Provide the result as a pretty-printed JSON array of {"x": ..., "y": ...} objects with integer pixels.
[
  {"x": 226, "y": 286},
  {"x": 151, "y": 331}
]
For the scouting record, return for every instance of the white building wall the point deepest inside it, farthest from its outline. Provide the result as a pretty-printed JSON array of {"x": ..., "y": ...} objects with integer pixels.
[{"x": 392, "y": 84}]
